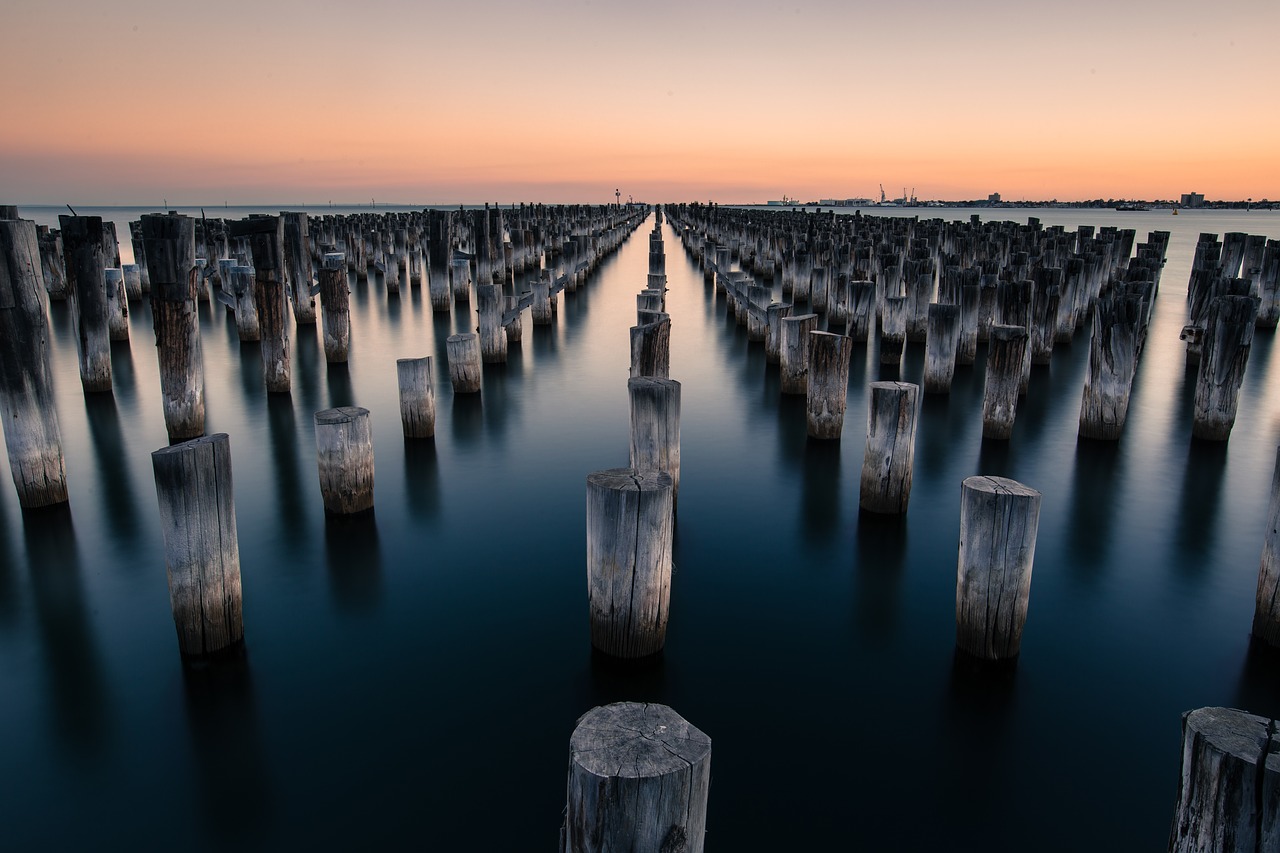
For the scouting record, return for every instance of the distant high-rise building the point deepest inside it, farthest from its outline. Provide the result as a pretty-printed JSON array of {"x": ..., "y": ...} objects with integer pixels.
[
  {"x": 994, "y": 198},
  {"x": 1193, "y": 199}
]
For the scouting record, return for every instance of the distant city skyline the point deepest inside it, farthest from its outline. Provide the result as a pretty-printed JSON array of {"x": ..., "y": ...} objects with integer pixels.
[{"x": 136, "y": 101}]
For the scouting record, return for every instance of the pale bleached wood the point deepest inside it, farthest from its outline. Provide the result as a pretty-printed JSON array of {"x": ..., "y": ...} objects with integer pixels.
[
  {"x": 651, "y": 349},
  {"x": 1228, "y": 784},
  {"x": 639, "y": 779},
  {"x": 793, "y": 353},
  {"x": 1113, "y": 360},
  {"x": 827, "y": 384},
  {"x": 655, "y": 427},
  {"x": 967, "y": 347},
  {"x": 540, "y": 311},
  {"x": 169, "y": 242},
  {"x": 629, "y": 529},
  {"x": 893, "y": 329},
  {"x": 344, "y": 453},
  {"x": 862, "y": 309},
  {"x": 1266, "y": 612},
  {"x": 941, "y": 344},
  {"x": 889, "y": 455},
  {"x": 248, "y": 330},
  {"x": 417, "y": 397},
  {"x": 463, "y": 352},
  {"x": 297, "y": 267},
  {"x": 82, "y": 244},
  {"x": 335, "y": 307},
  {"x": 493, "y": 337},
  {"x": 28, "y": 408},
  {"x": 1006, "y": 349},
  {"x": 999, "y": 519},
  {"x": 773, "y": 333},
  {"x": 266, "y": 241},
  {"x": 132, "y": 282},
  {"x": 202, "y": 552},
  {"x": 1224, "y": 354}
]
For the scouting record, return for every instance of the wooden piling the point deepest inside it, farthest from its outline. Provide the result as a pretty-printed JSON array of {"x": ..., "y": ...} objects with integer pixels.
[
  {"x": 655, "y": 428},
  {"x": 651, "y": 349},
  {"x": 335, "y": 307},
  {"x": 461, "y": 281},
  {"x": 169, "y": 242},
  {"x": 629, "y": 529},
  {"x": 889, "y": 456},
  {"x": 941, "y": 344},
  {"x": 28, "y": 409},
  {"x": 493, "y": 337},
  {"x": 540, "y": 310},
  {"x": 998, "y": 523},
  {"x": 266, "y": 241},
  {"x": 132, "y": 282},
  {"x": 82, "y": 244},
  {"x": 967, "y": 347},
  {"x": 1229, "y": 784},
  {"x": 463, "y": 352},
  {"x": 793, "y": 353},
  {"x": 297, "y": 267},
  {"x": 862, "y": 310},
  {"x": 893, "y": 329},
  {"x": 639, "y": 776},
  {"x": 827, "y": 384},
  {"x": 202, "y": 552},
  {"x": 344, "y": 453},
  {"x": 775, "y": 312},
  {"x": 1224, "y": 354},
  {"x": 1113, "y": 361},
  {"x": 1006, "y": 350},
  {"x": 1266, "y": 612},
  {"x": 247, "y": 327},
  {"x": 117, "y": 304}
]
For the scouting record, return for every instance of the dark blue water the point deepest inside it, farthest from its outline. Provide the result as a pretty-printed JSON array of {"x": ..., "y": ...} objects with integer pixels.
[{"x": 412, "y": 678}]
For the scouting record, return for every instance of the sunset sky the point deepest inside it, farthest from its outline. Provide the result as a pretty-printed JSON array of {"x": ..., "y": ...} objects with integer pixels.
[{"x": 559, "y": 101}]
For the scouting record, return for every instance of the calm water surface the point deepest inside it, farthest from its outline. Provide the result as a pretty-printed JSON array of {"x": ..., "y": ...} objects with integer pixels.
[{"x": 413, "y": 678}]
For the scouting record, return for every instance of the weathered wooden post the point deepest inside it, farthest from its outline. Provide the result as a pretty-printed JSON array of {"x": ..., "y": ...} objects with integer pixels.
[
  {"x": 893, "y": 329},
  {"x": 862, "y": 310},
  {"x": 439, "y": 255},
  {"x": 828, "y": 384},
  {"x": 889, "y": 456},
  {"x": 1006, "y": 349},
  {"x": 202, "y": 552},
  {"x": 297, "y": 267},
  {"x": 266, "y": 240},
  {"x": 773, "y": 333},
  {"x": 493, "y": 337},
  {"x": 793, "y": 354},
  {"x": 629, "y": 529},
  {"x": 655, "y": 428},
  {"x": 247, "y": 326},
  {"x": 170, "y": 245},
  {"x": 1113, "y": 360},
  {"x": 1229, "y": 784},
  {"x": 52, "y": 263},
  {"x": 335, "y": 306},
  {"x": 132, "y": 282},
  {"x": 461, "y": 282},
  {"x": 344, "y": 452},
  {"x": 967, "y": 348},
  {"x": 1228, "y": 336},
  {"x": 998, "y": 523},
  {"x": 28, "y": 409},
  {"x": 1266, "y": 613},
  {"x": 417, "y": 397},
  {"x": 463, "y": 352},
  {"x": 941, "y": 344},
  {"x": 639, "y": 776},
  {"x": 117, "y": 304},
  {"x": 83, "y": 248},
  {"x": 651, "y": 349},
  {"x": 540, "y": 310}
]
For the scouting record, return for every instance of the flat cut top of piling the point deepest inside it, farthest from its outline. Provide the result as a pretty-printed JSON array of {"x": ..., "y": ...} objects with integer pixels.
[
  {"x": 651, "y": 382},
  {"x": 333, "y": 260},
  {"x": 462, "y": 337},
  {"x": 629, "y": 480},
  {"x": 340, "y": 415},
  {"x": 636, "y": 740},
  {"x": 418, "y": 360},
  {"x": 1232, "y": 732},
  {"x": 192, "y": 444},
  {"x": 999, "y": 486},
  {"x": 892, "y": 384}
]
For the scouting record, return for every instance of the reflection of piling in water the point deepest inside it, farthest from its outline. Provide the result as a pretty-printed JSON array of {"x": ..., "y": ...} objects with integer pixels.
[
  {"x": 202, "y": 552},
  {"x": 169, "y": 241},
  {"x": 417, "y": 397},
  {"x": 1229, "y": 785},
  {"x": 639, "y": 776},
  {"x": 998, "y": 524},
  {"x": 629, "y": 530},
  {"x": 344, "y": 453},
  {"x": 28, "y": 409},
  {"x": 354, "y": 558}
]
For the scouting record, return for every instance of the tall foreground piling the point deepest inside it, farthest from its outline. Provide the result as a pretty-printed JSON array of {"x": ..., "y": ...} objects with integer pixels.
[
  {"x": 1006, "y": 350},
  {"x": 202, "y": 551},
  {"x": 629, "y": 530},
  {"x": 639, "y": 778},
  {"x": 1225, "y": 349},
  {"x": 889, "y": 456},
  {"x": 266, "y": 241},
  {"x": 999, "y": 519},
  {"x": 170, "y": 246},
  {"x": 827, "y": 385},
  {"x": 655, "y": 427},
  {"x": 335, "y": 307},
  {"x": 28, "y": 409},
  {"x": 417, "y": 397}
]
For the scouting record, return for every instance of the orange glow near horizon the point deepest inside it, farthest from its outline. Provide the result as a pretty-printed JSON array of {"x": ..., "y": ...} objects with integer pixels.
[{"x": 428, "y": 103}]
